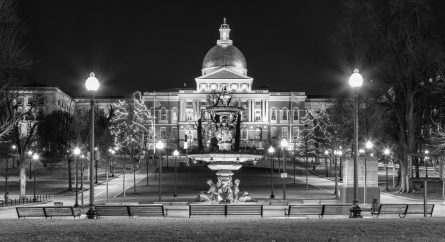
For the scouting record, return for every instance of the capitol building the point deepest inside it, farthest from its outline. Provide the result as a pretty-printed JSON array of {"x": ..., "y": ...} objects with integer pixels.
[{"x": 270, "y": 114}]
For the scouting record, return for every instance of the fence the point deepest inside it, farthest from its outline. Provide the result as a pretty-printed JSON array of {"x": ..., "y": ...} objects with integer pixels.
[{"x": 27, "y": 200}]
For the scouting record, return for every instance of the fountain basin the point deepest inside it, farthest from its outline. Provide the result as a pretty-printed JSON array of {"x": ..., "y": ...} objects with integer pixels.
[{"x": 224, "y": 157}]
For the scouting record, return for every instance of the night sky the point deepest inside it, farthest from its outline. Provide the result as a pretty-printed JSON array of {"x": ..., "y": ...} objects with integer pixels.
[{"x": 156, "y": 45}]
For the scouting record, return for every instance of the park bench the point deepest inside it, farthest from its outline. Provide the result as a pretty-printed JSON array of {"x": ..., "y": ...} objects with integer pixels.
[
  {"x": 114, "y": 210},
  {"x": 418, "y": 209},
  {"x": 30, "y": 212},
  {"x": 48, "y": 212},
  {"x": 151, "y": 210},
  {"x": 336, "y": 209},
  {"x": 244, "y": 209},
  {"x": 208, "y": 209},
  {"x": 399, "y": 209},
  {"x": 299, "y": 210},
  {"x": 59, "y": 211}
]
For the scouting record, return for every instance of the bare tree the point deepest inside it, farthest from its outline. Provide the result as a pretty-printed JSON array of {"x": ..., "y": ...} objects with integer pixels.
[{"x": 398, "y": 45}]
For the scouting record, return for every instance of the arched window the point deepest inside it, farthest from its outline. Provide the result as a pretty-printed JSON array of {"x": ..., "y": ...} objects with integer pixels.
[
  {"x": 284, "y": 115},
  {"x": 174, "y": 114},
  {"x": 163, "y": 114},
  {"x": 273, "y": 114},
  {"x": 296, "y": 114}
]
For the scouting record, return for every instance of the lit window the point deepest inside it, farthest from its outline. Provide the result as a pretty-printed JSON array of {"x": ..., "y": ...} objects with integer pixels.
[
  {"x": 234, "y": 87},
  {"x": 258, "y": 115},
  {"x": 244, "y": 134},
  {"x": 174, "y": 134},
  {"x": 213, "y": 87},
  {"x": 174, "y": 114},
  {"x": 163, "y": 114},
  {"x": 163, "y": 133},
  {"x": 273, "y": 114},
  {"x": 284, "y": 133},
  {"x": 295, "y": 132},
  {"x": 273, "y": 132},
  {"x": 203, "y": 87},
  {"x": 284, "y": 115},
  {"x": 244, "y": 87},
  {"x": 295, "y": 114},
  {"x": 189, "y": 115}
]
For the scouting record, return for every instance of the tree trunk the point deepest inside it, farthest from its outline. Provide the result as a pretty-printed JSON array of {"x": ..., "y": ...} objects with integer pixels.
[
  {"x": 70, "y": 185},
  {"x": 200, "y": 146},
  {"x": 237, "y": 132}
]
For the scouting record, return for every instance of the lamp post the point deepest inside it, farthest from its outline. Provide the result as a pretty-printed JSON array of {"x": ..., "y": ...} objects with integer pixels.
[
  {"x": 175, "y": 154},
  {"x": 76, "y": 154},
  {"x": 284, "y": 145},
  {"x": 81, "y": 179},
  {"x": 30, "y": 156},
  {"x": 35, "y": 157},
  {"x": 356, "y": 81},
  {"x": 14, "y": 148},
  {"x": 92, "y": 84},
  {"x": 386, "y": 152},
  {"x": 326, "y": 153},
  {"x": 425, "y": 164},
  {"x": 160, "y": 146},
  {"x": 271, "y": 152}
]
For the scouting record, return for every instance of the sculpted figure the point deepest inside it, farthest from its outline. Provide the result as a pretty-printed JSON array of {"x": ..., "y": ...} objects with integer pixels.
[
  {"x": 207, "y": 196},
  {"x": 241, "y": 196},
  {"x": 223, "y": 190}
]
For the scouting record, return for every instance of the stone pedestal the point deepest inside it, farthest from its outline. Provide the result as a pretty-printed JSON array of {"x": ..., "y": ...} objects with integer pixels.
[{"x": 346, "y": 191}]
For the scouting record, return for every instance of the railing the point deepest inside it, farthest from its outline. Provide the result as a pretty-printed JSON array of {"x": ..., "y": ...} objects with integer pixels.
[{"x": 27, "y": 200}]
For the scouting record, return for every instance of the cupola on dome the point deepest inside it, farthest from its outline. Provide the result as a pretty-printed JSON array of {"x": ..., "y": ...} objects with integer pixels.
[{"x": 224, "y": 55}]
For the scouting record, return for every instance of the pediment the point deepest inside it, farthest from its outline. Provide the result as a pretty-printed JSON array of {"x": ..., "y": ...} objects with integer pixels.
[{"x": 224, "y": 73}]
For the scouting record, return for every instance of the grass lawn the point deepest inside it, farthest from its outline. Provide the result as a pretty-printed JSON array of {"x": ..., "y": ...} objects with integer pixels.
[{"x": 230, "y": 229}]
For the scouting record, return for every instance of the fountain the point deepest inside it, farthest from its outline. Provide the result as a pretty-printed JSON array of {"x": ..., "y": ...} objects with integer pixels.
[{"x": 223, "y": 154}]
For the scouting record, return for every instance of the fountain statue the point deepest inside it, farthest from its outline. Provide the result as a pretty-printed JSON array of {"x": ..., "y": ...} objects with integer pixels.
[{"x": 225, "y": 117}]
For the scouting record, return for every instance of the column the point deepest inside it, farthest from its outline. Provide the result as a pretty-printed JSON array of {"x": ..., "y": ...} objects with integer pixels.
[
  {"x": 249, "y": 104},
  {"x": 267, "y": 111},
  {"x": 252, "y": 108}
]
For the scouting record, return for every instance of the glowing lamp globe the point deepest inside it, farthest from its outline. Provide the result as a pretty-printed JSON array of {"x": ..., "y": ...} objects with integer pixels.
[
  {"x": 356, "y": 80},
  {"x": 386, "y": 152},
  {"x": 35, "y": 156},
  {"x": 271, "y": 150},
  {"x": 76, "y": 151},
  {"x": 284, "y": 143},
  {"x": 175, "y": 153},
  {"x": 160, "y": 145},
  {"x": 368, "y": 145},
  {"x": 29, "y": 153},
  {"x": 326, "y": 152},
  {"x": 92, "y": 84}
]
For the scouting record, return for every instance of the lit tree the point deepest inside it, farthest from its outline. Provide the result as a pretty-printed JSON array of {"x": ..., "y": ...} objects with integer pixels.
[{"x": 130, "y": 127}]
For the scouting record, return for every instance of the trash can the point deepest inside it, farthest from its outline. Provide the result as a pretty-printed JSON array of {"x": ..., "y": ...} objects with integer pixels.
[{"x": 374, "y": 205}]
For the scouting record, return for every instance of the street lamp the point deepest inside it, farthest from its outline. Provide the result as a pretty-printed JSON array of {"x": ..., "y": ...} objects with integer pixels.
[
  {"x": 111, "y": 162},
  {"x": 271, "y": 152},
  {"x": 92, "y": 84},
  {"x": 76, "y": 154},
  {"x": 326, "y": 153},
  {"x": 284, "y": 144},
  {"x": 30, "y": 156},
  {"x": 175, "y": 154},
  {"x": 386, "y": 152},
  {"x": 356, "y": 80},
  {"x": 35, "y": 157},
  {"x": 14, "y": 156},
  {"x": 160, "y": 146}
]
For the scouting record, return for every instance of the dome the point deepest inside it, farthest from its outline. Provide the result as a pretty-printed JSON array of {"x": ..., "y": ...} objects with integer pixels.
[{"x": 224, "y": 55}]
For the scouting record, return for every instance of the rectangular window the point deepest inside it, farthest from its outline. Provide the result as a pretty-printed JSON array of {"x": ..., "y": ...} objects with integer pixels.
[
  {"x": 273, "y": 132},
  {"x": 174, "y": 135},
  {"x": 295, "y": 132},
  {"x": 174, "y": 115},
  {"x": 284, "y": 114},
  {"x": 163, "y": 133},
  {"x": 273, "y": 115},
  {"x": 258, "y": 116},
  {"x": 284, "y": 133},
  {"x": 244, "y": 134},
  {"x": 189, "y": 115},
  {"x": 295, "y": 114}
]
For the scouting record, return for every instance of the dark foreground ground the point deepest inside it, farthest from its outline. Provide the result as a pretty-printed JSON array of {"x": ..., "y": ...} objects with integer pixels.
[{"x": 230, "y": 229}]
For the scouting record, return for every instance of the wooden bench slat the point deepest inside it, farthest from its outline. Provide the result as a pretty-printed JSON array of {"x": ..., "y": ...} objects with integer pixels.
[
  {"x": 419, "y": 209},
  {"x": 399, "y": 209},
  {"x": 30, "y": 212},
  {"x": 242, "y": 209},
  {"x": 147, "y": 210},
  {"x": 336, "y": 209},
  {"x": 304, "y": 210},
  {"x": 112, "y": 211}
]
